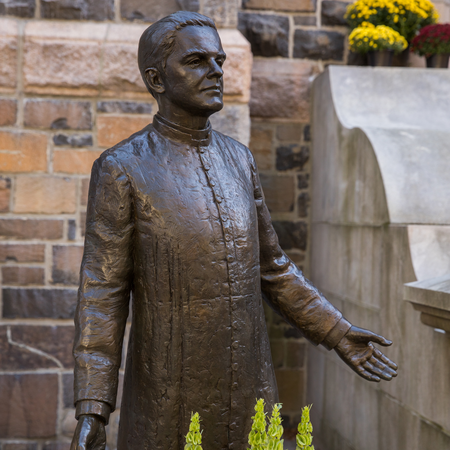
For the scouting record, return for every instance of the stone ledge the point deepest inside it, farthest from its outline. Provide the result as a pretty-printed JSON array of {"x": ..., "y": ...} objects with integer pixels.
[
  {"x": 91, "y": 59},
  {"x": 431, "y": 298}
]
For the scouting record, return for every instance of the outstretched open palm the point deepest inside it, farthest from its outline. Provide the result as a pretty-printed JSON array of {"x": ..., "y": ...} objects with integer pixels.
[{"x": 356, "y": 349}]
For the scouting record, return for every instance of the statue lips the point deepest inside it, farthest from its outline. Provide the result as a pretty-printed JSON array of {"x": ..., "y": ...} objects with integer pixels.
[{"x": 215, "y": 88}]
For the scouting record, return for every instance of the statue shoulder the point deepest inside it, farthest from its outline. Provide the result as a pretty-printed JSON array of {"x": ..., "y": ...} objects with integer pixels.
[{"x": 127, "y": 151}]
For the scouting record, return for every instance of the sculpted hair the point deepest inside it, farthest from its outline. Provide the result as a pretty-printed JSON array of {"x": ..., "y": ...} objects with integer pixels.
[{"x": 157, "y": 41}]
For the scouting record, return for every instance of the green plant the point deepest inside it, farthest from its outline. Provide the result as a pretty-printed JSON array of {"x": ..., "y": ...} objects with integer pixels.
[
  {"x": 258, "y": 436},
  {"x": 432, "y": 40},
  {"x": 371, "y": 38},
  {"x": 194, "y": 436},
  {"x": 406, "y": 17},
  {"x": 275, "y": 430},
  {"x": 305, "y": 428}
]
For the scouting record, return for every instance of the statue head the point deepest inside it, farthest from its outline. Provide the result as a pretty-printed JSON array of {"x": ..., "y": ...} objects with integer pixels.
[{"x": 180, "y": 58}]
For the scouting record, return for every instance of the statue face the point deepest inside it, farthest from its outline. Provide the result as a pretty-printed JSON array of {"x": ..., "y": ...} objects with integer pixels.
[{"x": 193, "y": 79}]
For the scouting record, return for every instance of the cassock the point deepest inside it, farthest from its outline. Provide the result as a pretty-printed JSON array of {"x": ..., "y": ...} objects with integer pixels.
[{"x": 177, "y": 217}]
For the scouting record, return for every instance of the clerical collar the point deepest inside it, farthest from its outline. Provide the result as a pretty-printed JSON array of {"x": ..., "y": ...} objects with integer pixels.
[{"x": 182, "y": 134}]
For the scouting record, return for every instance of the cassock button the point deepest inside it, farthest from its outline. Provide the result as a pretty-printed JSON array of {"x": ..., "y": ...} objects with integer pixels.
[
  {"x": 234, "y": 404},
  {"x": 202, "y": 150},
  {"x": 234, "y": 386},
  {"x": 232, "y": 427},
  {"x": 224, "y": 217},
  {"x": 227, "y": 237},
  {"x": 230, "y": 258},
  {"x": 234, "y": 306},
  {"x": 234, "y": 366},
  {"x": 219, "y": 198},
  {"x": 235, "y": 345},
  {"x": 207, "y": 167},
  {"x": 212, "y": 183}
]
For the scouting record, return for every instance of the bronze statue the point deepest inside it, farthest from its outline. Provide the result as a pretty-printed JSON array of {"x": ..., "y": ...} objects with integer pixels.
[{"x": 176, "y": 215}]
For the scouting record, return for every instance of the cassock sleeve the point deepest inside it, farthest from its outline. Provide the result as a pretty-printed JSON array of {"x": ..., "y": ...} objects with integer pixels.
[
  {"x": 105, "y": 285},
  {"x": 285, "y": 288}
]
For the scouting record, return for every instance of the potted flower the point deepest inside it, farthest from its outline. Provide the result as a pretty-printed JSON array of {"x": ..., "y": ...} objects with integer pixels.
[
  {"x": 406, "y": 17},
  {"x": 433, "y": 42},
  {"x": 378, "y": 42}
]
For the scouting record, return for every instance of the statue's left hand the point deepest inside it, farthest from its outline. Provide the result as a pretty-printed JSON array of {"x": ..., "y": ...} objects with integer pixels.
[{"x": 356, "y": 349}]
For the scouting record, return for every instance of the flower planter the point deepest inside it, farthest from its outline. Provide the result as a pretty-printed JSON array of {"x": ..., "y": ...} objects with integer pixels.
[
  {"x": 438, "y": 61},
  {"x": 401, "y": 59},
  {"x": 382, "y": 58}
]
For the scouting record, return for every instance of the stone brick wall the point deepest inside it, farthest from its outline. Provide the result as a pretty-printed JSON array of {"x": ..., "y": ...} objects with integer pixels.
[{"x": 69, "y": 89}]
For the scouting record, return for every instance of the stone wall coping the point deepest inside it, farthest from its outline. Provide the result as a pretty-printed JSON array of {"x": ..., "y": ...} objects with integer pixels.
[
  {"x": 432, "y": 292},
  {"x": 431, "y": 297},
  {"x": 400, "y": 119}
]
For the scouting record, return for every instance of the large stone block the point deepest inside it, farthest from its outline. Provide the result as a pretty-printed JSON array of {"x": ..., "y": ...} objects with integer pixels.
[
  {"x": 292, "y": 156},
  {"x": 31, "y": 228},
  {"x": 238, "y": 66},
  {"x": 114, "y": 128},
  {"x": 22, "y": 253},
  {"x": 22, "y": 276},
  {"x": 36, "y": 303},
  {"x": 281, "y": 88},
  {"x": 20, "y": 446},
  {"x": 120, "y": 72},
  {"x": 46, "y": 195},
  {"x": 291, "y": 234},
  {"x": 54, "y": 341},
  {"x": 333, "y": 12},
  {"x": 29, "y": 405},
  {"x": 295, "y": 354},
  {"x": 319, "y": 44},
  {"x": 268, "y": 34},
  {"x": 74, "y": 161},
  {"x": 23, "y": 152},
  {"x": 261, "y": 145},
  {"x": 57, "y": 114},
  {"x": 8, "y": 111},
  {"x": 279, "y": 192},
  {"x": 124, "y": 107},
  {"x": 63, "y": 58},
  {"x": 291, "y": 388},
  {"x": 84, "y": 191},
  {"x": 66, "y": 264},
  {"x": 78, "y": 10},
  {"x": 281, "y": 5},
  {"x": 8, "y": 50},
  {"x": 5, "y": 193},
  {"x": 73, "y": 140},
  {"x": 234, "y": 121},
  {"x": 223, "y": 12},
  {"x": 153, "y": 10},
  {"x": 20, "y": 8},
  {"x": 14, "y": 356}
]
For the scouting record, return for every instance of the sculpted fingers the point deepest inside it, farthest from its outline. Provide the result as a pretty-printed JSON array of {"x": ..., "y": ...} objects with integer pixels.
[
  {"x": 383, "y": 358},
  {"x": 362, "y": 371},
  {"x": 375, "y": 369}
]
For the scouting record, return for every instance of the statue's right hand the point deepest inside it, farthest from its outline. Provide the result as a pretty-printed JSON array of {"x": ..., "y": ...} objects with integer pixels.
[{"x": 89, "y": 434}]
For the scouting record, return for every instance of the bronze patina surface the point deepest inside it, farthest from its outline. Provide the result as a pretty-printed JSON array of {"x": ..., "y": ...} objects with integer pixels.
[{"x": 176, "y": 215}]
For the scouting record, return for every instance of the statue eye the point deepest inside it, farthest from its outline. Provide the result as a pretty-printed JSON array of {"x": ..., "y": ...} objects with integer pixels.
[{"x": 195, "y": 62}]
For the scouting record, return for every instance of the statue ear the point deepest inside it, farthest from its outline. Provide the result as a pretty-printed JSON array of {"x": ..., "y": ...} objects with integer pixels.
[{"x": 154, "y": 80}]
